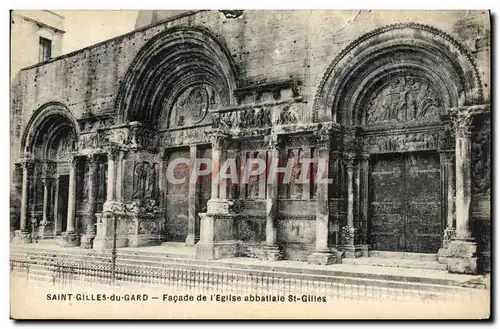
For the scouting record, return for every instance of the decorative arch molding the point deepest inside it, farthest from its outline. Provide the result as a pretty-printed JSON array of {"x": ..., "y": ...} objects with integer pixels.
[
  {"x": 45, "y": 128},
  {"x": 168, "y": 65},
  {"x": 399, "y": 49}
]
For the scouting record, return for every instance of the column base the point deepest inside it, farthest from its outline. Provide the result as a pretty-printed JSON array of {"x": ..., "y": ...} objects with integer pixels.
[
  {"x": 68, "y": 239},
  {"x": 87, "y": 240},
  {"x": 271, "y": 253},
  {"x": 355, "y": 251},
  {"x": 192, "y": 239},
  {"x": 462, "y": 257},
  {"x": 21, "y": 237},
  {"x": 326, "y": 257},
  {"x": 45, "y": 231},
  {"x": 217, "y": 250}
]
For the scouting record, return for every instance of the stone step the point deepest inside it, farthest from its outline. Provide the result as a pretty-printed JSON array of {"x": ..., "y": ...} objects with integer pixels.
[
  {"x": 121, "y": 252},
  {"x": 135, "y": 270},
  {"x": 137, "y": 260},
  {"x": 340, "y": 277},
  {"x": 396, "y": 262},
  {"x": 402, "y": 255}
]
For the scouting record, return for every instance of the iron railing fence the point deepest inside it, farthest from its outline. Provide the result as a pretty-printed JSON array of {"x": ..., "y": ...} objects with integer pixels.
[{"x": 227, "y": 281}]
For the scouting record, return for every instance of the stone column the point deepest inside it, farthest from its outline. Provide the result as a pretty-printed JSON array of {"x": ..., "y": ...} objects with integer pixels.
[
  {"x": 218, "y": 226},
  {"x": 349, "y": 230},
  {"x": 23, "y": 235},
  {"x": 45, "y": 209},
  {"x": 119, "y": 176},
  {"x": 463, "y": 248},
  {"x": 271, "y": 250},
  {"x": 323, "y": 254},
  {"x": 216, "y": 156},
  {"x": 56, "y": 206},
  {"x": 364, "y": 163},
  {"x": 70, "y": 238},
  {"x": 448, "y": 196},
  {"x": 216, "y": 204},
  {"x": 110, "y": 191},
  {"x": 86, "y": 241},
  {"x": 192, "y": 237}
]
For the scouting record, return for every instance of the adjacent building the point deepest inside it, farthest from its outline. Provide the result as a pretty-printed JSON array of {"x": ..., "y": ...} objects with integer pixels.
[{"x": 397, "y": 105}]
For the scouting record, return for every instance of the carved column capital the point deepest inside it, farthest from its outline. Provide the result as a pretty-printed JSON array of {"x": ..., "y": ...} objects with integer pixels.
[
  {"x": 275, "y": 142},
  {"x": 49, "y": 169},
  {"x": 350, "y": 159},
  {"x": 364, "y": 156},
  {"x": 323, "y": 138},
  {"x": 73, "y": 161},
  {"x": 218, "y": 139},
  {"x": 29, "y": 166},
  {"x": 92, "y": 160},
  {"x": 462, "y": 118}
]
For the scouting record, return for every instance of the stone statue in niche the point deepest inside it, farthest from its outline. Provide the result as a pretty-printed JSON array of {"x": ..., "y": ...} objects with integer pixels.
[
  {"x": 481, "y": 158},
  {"x": 151, "y": 174},
  {"x": 404, "y": 99},
  {"x": 138, "y": 184},
  {"x": 295, "y": 184},
  {"x": 145, "y": 181},
  {"x": 253, "y": 181}
]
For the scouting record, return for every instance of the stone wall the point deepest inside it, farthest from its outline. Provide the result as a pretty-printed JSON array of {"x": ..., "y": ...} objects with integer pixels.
[
  {"x": 276, "y": 69},
  {"x": 265, "y": 46}
]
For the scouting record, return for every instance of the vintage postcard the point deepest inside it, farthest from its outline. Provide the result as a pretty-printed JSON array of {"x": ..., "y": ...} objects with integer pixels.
[{"x": 250, "y": 164}]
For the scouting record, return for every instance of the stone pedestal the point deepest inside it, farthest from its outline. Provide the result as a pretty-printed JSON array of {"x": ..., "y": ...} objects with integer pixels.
[
  {"x": 21, "y": 237},
  {"x": 68, "y": 239},
  {"x": 45, "y": 230},
  {"x": 217, "y": 232},
  {"x": 105, "y": 233},
  {"x": 462, "y": 257}
]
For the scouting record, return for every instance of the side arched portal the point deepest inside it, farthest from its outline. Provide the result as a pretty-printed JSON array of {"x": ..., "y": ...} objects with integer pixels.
[
  {"x": 48, "y": 174},
  {"x": 391, "y": 91}
]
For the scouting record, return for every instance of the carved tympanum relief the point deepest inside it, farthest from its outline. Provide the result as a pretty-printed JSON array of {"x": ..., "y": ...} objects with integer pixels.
[
  {"x": 404, "y": 99},
  {"x": 66, "y": 146},
  {"x": 192, "y": 105}
]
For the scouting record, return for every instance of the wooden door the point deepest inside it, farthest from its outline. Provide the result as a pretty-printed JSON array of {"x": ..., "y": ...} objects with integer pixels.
[
  {"x": 176, "y": 224},
  {"x": 405, "y": 203}
]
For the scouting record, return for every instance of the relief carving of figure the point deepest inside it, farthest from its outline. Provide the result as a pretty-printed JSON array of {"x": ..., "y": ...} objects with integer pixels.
[
  {"x": 287, "y": 116},
  {"x": 404, "y": 99},
  {"x": 138, "y": 184},
  {"x": 253, "y": 181},
  {"x": 295, "y": 186}
]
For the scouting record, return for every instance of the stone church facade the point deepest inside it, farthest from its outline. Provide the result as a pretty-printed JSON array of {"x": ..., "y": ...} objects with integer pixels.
[{"x": 396, "y": 104}]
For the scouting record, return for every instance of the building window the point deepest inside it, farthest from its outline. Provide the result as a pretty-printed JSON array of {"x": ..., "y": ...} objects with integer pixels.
[{"x": 45, "y": 49}]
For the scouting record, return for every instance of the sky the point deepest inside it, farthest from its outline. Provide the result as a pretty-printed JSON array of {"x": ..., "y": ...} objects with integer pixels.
[{"x": 87, "y": 27}]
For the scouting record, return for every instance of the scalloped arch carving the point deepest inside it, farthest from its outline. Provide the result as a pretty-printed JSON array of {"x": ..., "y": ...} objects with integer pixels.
[
  {"x": 169, "y": 64},
  {"x": 406, "y": 49},
  {"x": 51, "y": 131}
]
